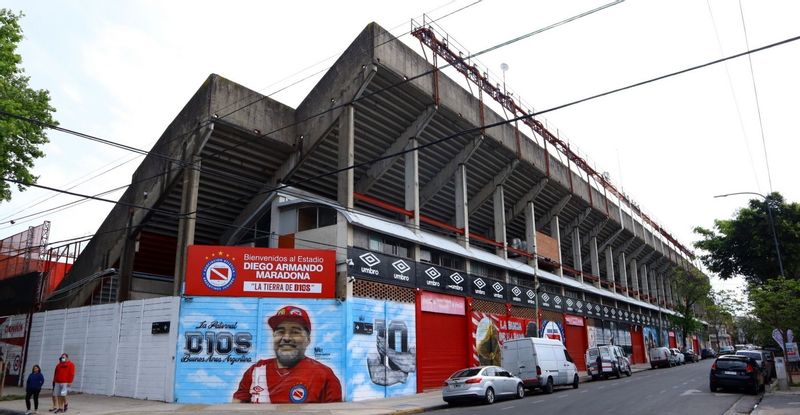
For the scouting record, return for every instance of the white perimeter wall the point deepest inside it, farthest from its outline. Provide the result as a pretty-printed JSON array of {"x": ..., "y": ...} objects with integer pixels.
[{"x": 112, "y": 347}]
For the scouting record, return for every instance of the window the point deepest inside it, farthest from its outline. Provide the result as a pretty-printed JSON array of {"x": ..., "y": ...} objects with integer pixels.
[
  {"x": 378, "y": 242},
  {"x": 442, "y": 259},
  {"x": 313, "y": 217},
  {"x": 569, "y": 358}
]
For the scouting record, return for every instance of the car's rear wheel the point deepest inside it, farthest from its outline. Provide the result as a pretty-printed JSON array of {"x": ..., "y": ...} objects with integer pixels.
[
  {"x": 489, "y": 396},
  {"x": 520, "y": 391},
  {"x": 575, "y": 382},
  {"x": 548, "y": 387},
  {"x": 712, "y": 387}
]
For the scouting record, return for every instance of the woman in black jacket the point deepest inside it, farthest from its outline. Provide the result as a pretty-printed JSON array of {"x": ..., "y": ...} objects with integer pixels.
[{"x": 32, "y": 388}]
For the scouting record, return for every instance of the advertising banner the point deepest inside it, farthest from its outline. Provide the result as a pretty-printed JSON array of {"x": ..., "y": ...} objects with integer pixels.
[
  {"x": 651, "y": 338},
  {"x": 492, "y": 331},
  {"x": 521, "y": 295},
  {"x": 487, "y": 289},
  {"x": 12, "y": 339},
  {"x": 381, "y": 349},
  {"x": 382, "y": 268},
  {"x": 260, "y": 350},
  {"x": 233, "y": 271},
  {"x": 444, "y": 280},
  {"x": 791, "y": 353}
]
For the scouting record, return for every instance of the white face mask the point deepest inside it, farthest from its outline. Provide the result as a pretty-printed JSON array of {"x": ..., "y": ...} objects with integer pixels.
[{"x": 63, "y": 359}]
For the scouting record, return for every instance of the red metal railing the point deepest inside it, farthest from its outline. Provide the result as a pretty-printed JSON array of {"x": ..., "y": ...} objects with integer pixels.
[{"x": 428, "y": 38}]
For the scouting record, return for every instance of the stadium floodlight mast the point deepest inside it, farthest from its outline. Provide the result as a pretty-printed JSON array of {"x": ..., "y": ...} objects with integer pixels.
[{"x": 771, "y": 222}]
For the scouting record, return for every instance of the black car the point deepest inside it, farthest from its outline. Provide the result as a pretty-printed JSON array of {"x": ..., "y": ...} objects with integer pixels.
[
  {"x": 705, "y": 353},
  {"x": 689, "y": 356},
  {"x": 731, "y": 371}
]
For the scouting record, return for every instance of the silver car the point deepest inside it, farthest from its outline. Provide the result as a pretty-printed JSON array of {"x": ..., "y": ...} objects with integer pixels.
[{"x": 482, "y": 383}]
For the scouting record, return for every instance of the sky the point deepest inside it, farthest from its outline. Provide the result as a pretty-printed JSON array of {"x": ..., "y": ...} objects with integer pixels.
[{"x": 122, "y": 71}]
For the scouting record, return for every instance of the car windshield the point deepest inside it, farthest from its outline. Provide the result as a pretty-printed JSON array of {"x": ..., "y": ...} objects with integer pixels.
[
  {"x": 754, "y": 355},
  {"x": 726, "y": 364},
  {"x": 466, "y": 373}
]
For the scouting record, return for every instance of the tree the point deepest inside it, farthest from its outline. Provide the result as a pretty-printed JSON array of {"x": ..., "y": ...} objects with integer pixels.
[
  {"x": 720, "y": 307},
  {"x": 744, "y": 245},
  {"x": 692, "y": 288},
  {"x": 20, "y": 140},
  {"x": 777, "y": 303}
]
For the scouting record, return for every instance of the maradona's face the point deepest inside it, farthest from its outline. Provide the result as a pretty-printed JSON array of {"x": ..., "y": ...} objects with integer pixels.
[{"x": 290, "y": 341}]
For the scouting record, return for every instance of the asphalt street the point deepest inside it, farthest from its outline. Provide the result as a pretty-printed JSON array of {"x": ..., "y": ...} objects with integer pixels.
[{"x": 680, "y": 390}]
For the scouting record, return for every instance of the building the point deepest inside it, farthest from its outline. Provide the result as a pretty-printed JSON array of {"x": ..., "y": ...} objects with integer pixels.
[{"x": 442, "y": 217}]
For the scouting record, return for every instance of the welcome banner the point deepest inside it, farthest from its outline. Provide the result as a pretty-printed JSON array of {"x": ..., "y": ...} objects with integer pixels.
[{"x": 233, "y": 271}]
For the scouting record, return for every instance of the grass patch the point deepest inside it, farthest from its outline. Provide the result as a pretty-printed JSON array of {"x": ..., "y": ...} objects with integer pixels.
[{"x": 11, "y": 397}]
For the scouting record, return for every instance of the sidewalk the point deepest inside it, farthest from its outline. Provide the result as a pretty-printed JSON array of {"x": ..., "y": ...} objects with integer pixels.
[
  {"x": 85, "y": 404},
  {"x": 777, "y": 402}
]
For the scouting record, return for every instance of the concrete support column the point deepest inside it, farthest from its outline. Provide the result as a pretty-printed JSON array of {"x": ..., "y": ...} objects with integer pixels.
[
  {"x": 555, "y": 233},
  {"x": 643, "y": 277},
  {"x": 663, "y": 286},
  {"x": 623, "y": 270},
  {"x": 275, "y": 221},
  {"x": 610, "y": 268},
  {"x": 577, "y": 260},
  {"x": 346, "y": 156},
  {"x": 412, "y": 183},
  {"x": 186, "y": 224},
  {"x": 500, "y": 221},
  {"x": 635, "y": 277},
  {"x": 594, "y": 257},
  {"x": 530, "y": 234},
  {"x": 462, "y": 204},
  {"x": 345, "y": 186}
]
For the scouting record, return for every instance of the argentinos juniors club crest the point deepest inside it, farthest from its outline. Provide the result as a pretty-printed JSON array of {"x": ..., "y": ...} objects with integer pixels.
[{"x": 219, "y": 274}]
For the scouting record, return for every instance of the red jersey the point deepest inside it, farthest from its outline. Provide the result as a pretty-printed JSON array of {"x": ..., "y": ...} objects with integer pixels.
[
  {"x": 308, "y": 381},
  {"x": 65, "y": 372}
]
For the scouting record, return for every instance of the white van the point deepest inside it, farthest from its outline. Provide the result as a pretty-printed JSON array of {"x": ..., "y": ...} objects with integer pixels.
[{"x": 540, "y": 363}]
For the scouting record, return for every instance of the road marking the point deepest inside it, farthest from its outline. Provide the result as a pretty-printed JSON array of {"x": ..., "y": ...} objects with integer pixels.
[
  {"x": 691, "y": 392},
  {"x": 508, "y": 407},
  {"x": 584, "y": 391},
  {"x": 793, "y": 403},
  {"x": 540, "y": 400},
  {"x": 601, "y": 387},
  {"x": 663, "y": 391}
]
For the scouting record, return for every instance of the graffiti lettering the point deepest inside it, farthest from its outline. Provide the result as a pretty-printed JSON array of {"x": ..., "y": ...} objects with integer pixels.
[
  {"x": 217, "y": 342},
  {"x": 391, "y": 364}
]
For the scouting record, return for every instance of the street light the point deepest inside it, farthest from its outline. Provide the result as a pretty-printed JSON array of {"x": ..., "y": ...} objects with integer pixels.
[{"x": 771, "y": 222}]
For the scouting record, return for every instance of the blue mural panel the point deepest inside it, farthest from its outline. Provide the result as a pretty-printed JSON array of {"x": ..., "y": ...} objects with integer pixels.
[
  {"x": 381, "y": 344},
  {"x": 260, "y": 350}
]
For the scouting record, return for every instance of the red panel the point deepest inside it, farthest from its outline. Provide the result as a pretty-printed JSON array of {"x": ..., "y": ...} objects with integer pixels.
[
  {"x": 441, "y": 347},
  {"x": 637, "y": 340},
  {"x": 672, "y": 342},
  {"x": 577, "y": 343},
  {"x": 233, "y": 271}
]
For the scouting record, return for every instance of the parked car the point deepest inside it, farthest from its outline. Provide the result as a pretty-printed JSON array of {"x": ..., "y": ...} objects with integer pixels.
[
  {"x": 760, "y": 358},
  {"x": 708, "y": 352},
  {"x": 678, "y": 356},
  {"x": 726, "y": 350},
  {"x": 661, "y": 357},
  {"x": 483, "y": 383},
  {"x": 690, "y": 356},
  {"x": 606, "y": 361},
  {"x": 540, "y": 363},
  {"x": 736, "y": 371}
]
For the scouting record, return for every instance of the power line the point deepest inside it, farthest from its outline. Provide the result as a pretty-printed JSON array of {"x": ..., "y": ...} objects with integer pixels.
[
  {"x": 755, "y": 93},
  {"x": 735, "y": 98}
]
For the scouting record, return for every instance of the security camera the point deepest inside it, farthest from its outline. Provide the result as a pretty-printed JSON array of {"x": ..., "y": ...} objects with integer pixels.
[{"x": 351, "y": 279}]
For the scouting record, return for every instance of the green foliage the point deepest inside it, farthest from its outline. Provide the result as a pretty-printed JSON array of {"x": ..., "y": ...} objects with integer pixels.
[
  {"x": 745, "y": 246},
  {"x": 776, "y": 304},
  {"x": 692, "y": 288},
  {"x": 20, "y": 140}
]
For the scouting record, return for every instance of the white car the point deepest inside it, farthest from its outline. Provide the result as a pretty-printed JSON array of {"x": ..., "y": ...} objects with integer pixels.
[
  {"x": 678, "y": 355},
  {"x": 482, "y": 383}
]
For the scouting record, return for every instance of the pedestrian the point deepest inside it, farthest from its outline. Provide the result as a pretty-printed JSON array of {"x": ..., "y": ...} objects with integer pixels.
[
  {"x": 32, "y": 388},
  {"x": 63, "y": 377}
]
